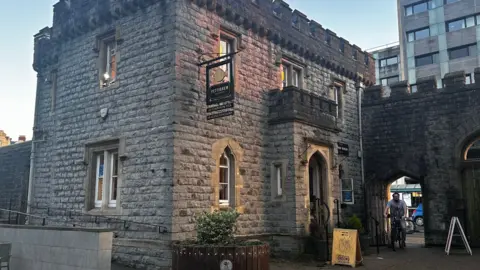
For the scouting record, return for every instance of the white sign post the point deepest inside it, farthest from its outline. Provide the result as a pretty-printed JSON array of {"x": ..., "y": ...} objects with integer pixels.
[{"x": 454, "y": 222}]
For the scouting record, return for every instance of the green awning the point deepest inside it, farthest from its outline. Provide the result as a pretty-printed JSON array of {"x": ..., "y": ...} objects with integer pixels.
[{"x": 406, "y": 188}]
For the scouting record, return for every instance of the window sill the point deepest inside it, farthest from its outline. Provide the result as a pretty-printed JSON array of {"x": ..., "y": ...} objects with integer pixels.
[
  {"x": 113, "y": 85},
  {"x": 105, "y": 212}
]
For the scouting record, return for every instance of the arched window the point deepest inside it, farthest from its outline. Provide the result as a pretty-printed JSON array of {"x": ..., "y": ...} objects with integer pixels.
[
  {"x": 226, "y": 178},
  {"x": 473, "y": 151}
]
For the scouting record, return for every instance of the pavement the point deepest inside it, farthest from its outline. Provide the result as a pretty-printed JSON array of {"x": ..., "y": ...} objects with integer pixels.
[{"x": 415, "y": 256}]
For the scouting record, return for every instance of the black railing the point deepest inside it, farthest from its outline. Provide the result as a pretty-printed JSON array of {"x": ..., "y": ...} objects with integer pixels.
[
  {"x": 76, "y": 218},
  {"x": 337, "y": 213}
]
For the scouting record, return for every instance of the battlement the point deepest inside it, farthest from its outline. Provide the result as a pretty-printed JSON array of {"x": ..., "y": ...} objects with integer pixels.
[
  {"x": 452, "y": 83},
  {"x": 274, "y": 20},
  {"x": 293, "y": 31}
]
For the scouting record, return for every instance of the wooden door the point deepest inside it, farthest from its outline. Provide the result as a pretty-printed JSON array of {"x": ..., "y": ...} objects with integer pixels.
[{"x": 471, "y": 189}]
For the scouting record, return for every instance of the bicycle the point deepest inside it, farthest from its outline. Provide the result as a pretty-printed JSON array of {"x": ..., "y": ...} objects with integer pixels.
[{"x": 397, "y": 233}]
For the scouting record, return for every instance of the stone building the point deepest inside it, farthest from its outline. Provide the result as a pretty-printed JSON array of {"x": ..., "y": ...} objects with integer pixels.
[
  {"x": 14, "y": 176},
  {"x": 431, "y": 136},
  {"x": 121, "y": 125},
  {"x": 4, "y": 139}
]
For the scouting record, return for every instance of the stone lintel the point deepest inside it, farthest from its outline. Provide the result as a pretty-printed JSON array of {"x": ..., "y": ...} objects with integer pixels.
[
  {"x": 427, "y": 84},
  {"x": 454, "y": 79},
  {"x": 399, "y": 89}
]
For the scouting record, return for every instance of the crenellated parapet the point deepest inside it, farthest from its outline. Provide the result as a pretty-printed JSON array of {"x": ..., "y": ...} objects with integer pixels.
[
  {"x": 451, "y": 83},
  {"x": 73, "y": 18},
  {"x": 44, "y": 50},
  {"x": 293, "y": 31}
]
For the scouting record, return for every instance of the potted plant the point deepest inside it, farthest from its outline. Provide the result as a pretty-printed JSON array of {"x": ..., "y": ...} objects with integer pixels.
[
  {"x": 216, "y": 247},
  {"x": 355, "y": 223},
  {"x": 316, "y": 243}
]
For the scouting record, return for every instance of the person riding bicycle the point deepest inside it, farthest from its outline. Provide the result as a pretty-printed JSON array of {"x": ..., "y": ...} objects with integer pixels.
[{"x": 398, "y": 210}]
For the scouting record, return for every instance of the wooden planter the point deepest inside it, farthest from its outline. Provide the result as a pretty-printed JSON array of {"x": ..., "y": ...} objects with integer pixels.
[{"x": 187, "y": 257}]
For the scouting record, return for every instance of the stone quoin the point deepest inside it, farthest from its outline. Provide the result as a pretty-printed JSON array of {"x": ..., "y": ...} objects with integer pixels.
[{"x": 121, "y": 123}]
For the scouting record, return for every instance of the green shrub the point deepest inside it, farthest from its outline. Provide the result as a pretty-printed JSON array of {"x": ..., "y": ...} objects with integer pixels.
[
  {"x": 355, "y": 223},
  {"x": 217, "y": 228}
]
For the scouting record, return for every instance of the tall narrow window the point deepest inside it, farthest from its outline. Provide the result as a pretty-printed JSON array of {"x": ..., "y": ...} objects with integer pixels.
[
  {"x": 99, "y": 180},
  {"x": 284, "y": 75},
  {"x": 278, "y": 177},
  {"x": 106, "y": 179},
  {"x": 347, "y": 191},
  {"x": 295, "y": 73},
  {"x": 226, "y": 47},
  {"x": 114, "y": 181},
  {"x": 111, "y": 61},
  {"x": 224, "y": 179}
]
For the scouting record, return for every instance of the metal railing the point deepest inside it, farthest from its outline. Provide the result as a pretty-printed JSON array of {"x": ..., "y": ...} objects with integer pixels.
[{"x": 76, "y": 218}]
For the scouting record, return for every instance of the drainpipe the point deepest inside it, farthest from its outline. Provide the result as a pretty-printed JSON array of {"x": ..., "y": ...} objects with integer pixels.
[
  {"x": 359, "y": 86},
  {"x": 31, "y": 174}
]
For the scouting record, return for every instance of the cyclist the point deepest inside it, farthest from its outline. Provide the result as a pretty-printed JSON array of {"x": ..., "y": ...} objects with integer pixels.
[{"x": 398, "y": 209}]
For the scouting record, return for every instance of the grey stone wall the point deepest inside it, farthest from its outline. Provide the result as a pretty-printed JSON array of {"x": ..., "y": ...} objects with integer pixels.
[
  {"x": 14, "y": 174},
  {"x": 421, "y": 135},
  {"x": 140, "y": 108},
  {"x": 261, "y": 141},
  {"x": 157, "y": 108}
]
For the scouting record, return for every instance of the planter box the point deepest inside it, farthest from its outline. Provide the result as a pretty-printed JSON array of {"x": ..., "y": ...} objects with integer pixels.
[{"x": 188, "y": 257}]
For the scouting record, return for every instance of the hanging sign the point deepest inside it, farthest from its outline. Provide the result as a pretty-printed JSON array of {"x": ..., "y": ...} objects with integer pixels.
[
  {"x": 343, "y": 149},
  {"x": 220, "y": 89},
  {"x": 346, "y": 248}
]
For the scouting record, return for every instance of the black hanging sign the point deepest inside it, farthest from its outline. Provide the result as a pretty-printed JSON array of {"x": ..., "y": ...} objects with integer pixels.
[
  {"x": 220, "y": 88},
  {"x": 343, "y": 149}
]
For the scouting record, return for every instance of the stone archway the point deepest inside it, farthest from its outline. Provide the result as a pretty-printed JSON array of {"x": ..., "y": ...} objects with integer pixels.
[
  {"x": 318, "y": 181},
  {"x": 470, "y": 175},
  {"x": 317, "y": 187}
]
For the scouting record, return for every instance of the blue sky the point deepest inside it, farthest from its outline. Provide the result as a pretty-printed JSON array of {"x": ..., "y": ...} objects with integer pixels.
[{"x": 366, "y": 23}]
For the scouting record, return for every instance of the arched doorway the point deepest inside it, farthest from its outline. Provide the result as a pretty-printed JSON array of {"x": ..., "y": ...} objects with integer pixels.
[
  {"x": 471, "y": 190},
  {"x": 317, "y": 184}
]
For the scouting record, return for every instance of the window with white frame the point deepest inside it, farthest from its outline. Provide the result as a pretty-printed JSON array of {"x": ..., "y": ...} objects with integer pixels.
[
  {"x": 109, "y": 59},
  {"x": 226, "y": 47},
  {"x": 292, "y": 74},
  {"x": 278, "y": 173},
  {"x": 335, "y": 95},
  {"x": 106, "y": 179},
  {"x": 347, "y": 191},
  {"x": 226, "y": 179}
]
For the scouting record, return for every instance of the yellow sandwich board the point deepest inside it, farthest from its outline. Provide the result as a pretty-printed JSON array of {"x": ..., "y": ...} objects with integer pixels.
[{"x": 346, "y": 248}]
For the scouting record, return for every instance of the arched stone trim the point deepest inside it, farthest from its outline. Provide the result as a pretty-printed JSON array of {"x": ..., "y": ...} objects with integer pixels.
[
  {"x": 327, "y": 155},
  {"x": 236, "y": 150}
]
